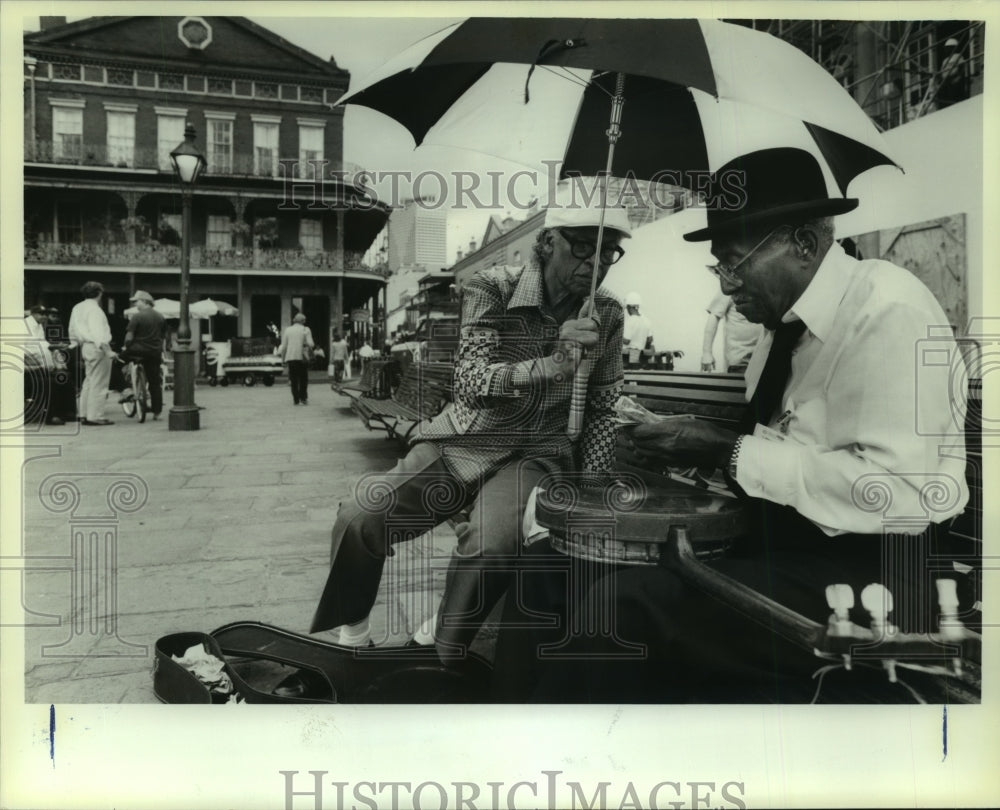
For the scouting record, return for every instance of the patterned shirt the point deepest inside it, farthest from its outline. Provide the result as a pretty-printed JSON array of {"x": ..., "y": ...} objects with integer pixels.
[{"x": 501, "y": 410}]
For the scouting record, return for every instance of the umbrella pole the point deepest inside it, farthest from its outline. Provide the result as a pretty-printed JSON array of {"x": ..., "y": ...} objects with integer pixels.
[{"x": 614, "y": 131}]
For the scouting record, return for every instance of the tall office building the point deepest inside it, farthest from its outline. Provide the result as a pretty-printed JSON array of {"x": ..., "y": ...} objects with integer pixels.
[{"x": 418, "y": 235}]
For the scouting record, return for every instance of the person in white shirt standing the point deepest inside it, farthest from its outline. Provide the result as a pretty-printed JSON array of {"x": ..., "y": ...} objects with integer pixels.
[
  {"x": 638, "y": 331},
  {"x": 296, "y": 350},
  {"x": 88, "y": 326},
  {"x": 739, "y": 337}
]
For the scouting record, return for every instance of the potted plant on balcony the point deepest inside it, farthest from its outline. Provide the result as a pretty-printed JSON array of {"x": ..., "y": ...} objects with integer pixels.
[
  {"x": 132, "y": 224},
  {"x": 168, "y": 233},
  {"x": 266, "y": 231},
  {"x": 239, "y": 229}
]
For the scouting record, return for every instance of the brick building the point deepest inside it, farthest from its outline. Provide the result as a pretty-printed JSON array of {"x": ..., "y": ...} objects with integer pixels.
[{"x": 106, "y": 100}]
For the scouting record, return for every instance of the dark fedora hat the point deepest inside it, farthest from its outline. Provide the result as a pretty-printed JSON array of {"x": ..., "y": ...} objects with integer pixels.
[{"x": 768, "y": 187}]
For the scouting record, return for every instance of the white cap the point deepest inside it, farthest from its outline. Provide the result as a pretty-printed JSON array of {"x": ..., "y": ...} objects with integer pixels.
[
  {"x": 576, "y": 204},
  {"x": 951, "y": 43},
  {"x": 633, "y": 300}
]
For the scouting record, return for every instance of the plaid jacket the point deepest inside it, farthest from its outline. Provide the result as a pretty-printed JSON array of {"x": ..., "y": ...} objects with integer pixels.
[{"x": 499, "y": 412}]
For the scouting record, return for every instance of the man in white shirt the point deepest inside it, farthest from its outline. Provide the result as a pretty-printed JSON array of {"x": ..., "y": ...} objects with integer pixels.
[
  {"x": 638, "y": 331},
  {"x": 847, "y": 427},
  {"x": 88, "y": 326},
  {"x": 739, "y": 336}
]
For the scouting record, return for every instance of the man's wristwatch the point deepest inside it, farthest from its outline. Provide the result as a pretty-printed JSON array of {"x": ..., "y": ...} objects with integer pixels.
[{"x": 734, "y": 457}]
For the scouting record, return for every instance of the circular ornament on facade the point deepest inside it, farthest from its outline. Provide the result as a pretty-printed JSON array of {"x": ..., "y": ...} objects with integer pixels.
[{"x": 194, "y": 32}]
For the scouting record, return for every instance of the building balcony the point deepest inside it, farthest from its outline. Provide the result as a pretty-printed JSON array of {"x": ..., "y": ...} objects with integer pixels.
[
  {"x": 152, "y": 254},
  {"x": 72, "y": 152}
]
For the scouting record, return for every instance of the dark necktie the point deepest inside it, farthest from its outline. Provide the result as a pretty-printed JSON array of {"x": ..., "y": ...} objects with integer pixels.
[{"x": 773, "y": 379}]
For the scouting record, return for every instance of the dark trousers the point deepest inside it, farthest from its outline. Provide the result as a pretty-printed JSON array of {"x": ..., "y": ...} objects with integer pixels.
[
  {"x": 298, "y": 377},
  {"x": 152, "y": 366},
  {"x": 338, "y": 370},
  {"x": 409, "y": 500},
  {"x": 621, "y": 634},
  {"x": 49, "y": 393}
]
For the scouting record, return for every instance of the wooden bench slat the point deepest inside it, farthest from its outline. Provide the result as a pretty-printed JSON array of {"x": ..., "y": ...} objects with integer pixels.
[{"x": 423, "y": 391}]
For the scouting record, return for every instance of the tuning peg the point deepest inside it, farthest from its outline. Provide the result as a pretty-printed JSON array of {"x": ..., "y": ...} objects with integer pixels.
[
  {"x": 950, "y": 626},
  {"x": 877, "y": 600},
  {"x": 840, "y": 598}
]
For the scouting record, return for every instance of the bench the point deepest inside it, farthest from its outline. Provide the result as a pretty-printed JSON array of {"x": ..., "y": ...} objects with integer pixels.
[
  {"x": 375, "y": 382},
  {"x": 721, "y": 397},
  {"x": 423, "y": 391}
]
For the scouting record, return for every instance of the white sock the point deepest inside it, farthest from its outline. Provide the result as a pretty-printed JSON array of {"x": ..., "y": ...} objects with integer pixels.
[
  {"x": 355, "y": 635},
  {"x": 425, "y": 633}
]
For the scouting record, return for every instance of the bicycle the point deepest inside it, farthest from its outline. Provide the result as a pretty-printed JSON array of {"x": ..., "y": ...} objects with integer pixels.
[{"x": 136, "y": 403}]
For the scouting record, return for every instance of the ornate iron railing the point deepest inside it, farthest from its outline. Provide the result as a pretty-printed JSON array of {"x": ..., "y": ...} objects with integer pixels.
[
  {"x": 73, "y": 152},
  {"x": 153, "y": 254}
]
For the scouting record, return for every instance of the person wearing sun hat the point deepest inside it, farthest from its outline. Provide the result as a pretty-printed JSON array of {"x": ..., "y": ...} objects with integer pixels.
[
  {"x": 527, "y": 402},
  {"x": 838, "y": 396}
]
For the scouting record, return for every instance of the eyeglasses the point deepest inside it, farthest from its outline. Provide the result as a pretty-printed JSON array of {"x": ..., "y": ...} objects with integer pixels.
[
  {"x": 728, "y": 274},
  {"x": 582, "y": 249}
]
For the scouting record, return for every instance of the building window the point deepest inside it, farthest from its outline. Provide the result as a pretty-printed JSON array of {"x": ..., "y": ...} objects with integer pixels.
[
  {"x": 222, "y": 87},
  {"x": 220, "y": 145},
  {"x": 311, "y": 234},
  {"x": 121, "y": 77},
  {"x": 310, "y": 147},
  {"x": 169, "y": 135},
  {"x": 67, "y": 133},
  {"x": 265, "y": 148},
  {"x": 171, "y": 81},
  {"x": 70, "y": 219},
  {"x": 220, "y": 234},
  {"x": 67, "y": 72},
  {"x": 265, "y": 90},
  {"x": 121, "y": 138}
]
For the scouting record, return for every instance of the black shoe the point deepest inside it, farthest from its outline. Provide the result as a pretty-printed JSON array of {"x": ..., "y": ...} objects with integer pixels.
[
  {"x": 96, "y": 422},
  {"x": 304, "y": 684}
]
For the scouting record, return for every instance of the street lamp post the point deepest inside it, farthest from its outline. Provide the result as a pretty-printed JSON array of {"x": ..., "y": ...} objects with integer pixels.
[
  {"x": 31, "y": 63},
  {"x": 188, "y": 163}
]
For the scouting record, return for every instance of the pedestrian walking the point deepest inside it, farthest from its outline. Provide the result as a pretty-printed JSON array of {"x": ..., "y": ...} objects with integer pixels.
[{"x": 296, "y": 351}]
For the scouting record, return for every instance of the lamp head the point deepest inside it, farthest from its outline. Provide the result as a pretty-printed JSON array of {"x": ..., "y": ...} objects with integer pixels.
[{"x": 188, "y": 161}]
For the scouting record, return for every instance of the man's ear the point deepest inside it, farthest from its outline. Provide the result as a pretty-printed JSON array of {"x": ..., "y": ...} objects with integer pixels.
[{"x": 806, "y": 242}]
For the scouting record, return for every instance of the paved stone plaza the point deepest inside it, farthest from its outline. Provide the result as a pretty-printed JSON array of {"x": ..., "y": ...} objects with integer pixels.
[{"x": 187, "y": 531}]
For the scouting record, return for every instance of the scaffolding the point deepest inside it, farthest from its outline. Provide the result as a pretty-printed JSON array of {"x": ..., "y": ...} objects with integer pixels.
[{"x": 897, "y": 71}]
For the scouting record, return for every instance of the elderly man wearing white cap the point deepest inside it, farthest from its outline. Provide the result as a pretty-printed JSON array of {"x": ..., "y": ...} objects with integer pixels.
[
  {"x": 535, "y": 382},
  {"x": 144, "y": 338}
]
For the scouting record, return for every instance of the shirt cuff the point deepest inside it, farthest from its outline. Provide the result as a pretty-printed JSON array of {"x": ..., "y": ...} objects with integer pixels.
[
  {"x": 520, "y": 376},
  {"x": 768, "y": 469}
]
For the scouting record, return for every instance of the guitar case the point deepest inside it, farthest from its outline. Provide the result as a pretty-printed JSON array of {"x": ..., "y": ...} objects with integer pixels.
[{"x": 257, "y": 656}]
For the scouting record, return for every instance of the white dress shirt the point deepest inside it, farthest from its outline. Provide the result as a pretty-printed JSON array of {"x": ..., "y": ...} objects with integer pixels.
[
  {"x": 89, "y": 324},
  {"x": 868, "y": 430}
]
